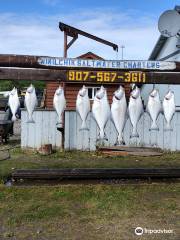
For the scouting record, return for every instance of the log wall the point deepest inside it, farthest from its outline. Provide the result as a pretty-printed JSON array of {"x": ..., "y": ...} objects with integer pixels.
[{"x": 71, "y": 91}]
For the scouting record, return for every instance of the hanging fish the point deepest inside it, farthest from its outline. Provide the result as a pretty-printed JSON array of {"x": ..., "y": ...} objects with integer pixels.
[
  {"x": 119, "y": 112},
  {"x": 135, "y": 110},
  {"x": 59, "y": 103},
  {"x": 154, "y": 108},
  {"x": 83, "y": 106},
  {"x": 101, "y": 110},
  {"x": 30, "y": 102},
  {"x": 169, "y": 109},
  {"x": 13, "y": 103}
]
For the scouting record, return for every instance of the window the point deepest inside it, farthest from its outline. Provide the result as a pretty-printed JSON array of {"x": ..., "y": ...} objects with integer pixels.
[{"x": 92, "y": 92}]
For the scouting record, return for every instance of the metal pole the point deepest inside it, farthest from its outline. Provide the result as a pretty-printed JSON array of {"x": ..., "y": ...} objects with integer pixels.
[{"x": 122, "y": 49}]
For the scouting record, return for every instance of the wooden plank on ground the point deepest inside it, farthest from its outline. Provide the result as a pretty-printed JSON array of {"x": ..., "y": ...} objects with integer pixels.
[
  {"x": 95, "y": 173},
  {"x": 132, "y": 153},
  {"x": 130, "y": 149}
]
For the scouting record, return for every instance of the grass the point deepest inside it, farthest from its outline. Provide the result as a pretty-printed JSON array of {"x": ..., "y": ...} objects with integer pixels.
[
  {"x": 89, "y": 211},
  {"x": 73, "y": 212},
  {"x": 76, "y": 159}
]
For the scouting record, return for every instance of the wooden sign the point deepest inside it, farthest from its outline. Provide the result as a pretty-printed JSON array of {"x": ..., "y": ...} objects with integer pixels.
[
  {"x": 43, "y": 62},
  {"x": 74, "y": 76},
  {"x": 106, "y": 64}
]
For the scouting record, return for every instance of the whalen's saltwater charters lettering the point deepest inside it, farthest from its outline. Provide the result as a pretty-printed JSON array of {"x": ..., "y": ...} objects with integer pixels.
[{"x": 105, "y": 64}]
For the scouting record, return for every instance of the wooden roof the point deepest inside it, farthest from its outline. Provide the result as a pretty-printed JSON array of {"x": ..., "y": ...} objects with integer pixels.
[{"x": 90, "y": 55}]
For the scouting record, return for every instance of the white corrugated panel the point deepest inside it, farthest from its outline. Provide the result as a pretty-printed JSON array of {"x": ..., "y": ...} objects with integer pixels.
[
  {"x": 87, "y": 140},
  {"x": 43, "y": 131}
]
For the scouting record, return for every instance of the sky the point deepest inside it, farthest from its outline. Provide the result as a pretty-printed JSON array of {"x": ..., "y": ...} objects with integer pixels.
[{"x": 31, "y": 27}]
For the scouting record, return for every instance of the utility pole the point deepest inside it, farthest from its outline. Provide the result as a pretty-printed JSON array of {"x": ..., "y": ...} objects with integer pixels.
[{"x": 122, "y": 51}]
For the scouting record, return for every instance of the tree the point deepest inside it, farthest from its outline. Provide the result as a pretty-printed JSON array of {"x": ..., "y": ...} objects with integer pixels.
[{"x": 7, "y": 85}]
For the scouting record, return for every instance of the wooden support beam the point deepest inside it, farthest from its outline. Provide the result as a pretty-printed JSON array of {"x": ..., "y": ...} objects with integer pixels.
[
  {"x": 25, "y": 61},
  {"x": 32, "y": 74},
  {"x": 72, "y": 41},
  {"x": 92, "y": 77},
  {"x": 65, "y": 44},
  {"x": 71, "y": 31}
]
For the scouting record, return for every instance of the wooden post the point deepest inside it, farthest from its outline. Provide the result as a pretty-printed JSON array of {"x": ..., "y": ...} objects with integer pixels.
[
  {"x": 65, "y": 44},
  {"x": 63, "y": 118},
  {"x": 46, "y": 149}
]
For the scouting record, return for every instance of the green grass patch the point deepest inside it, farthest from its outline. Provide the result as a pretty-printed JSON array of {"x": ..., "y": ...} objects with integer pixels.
[
  {"x": 86, "y": 211},
  {"x": 91, "y": 211},
  {"x": 76, "y": 159}
]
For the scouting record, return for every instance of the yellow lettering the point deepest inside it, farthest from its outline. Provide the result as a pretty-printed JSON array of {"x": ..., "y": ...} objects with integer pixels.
[
  {"x": 127, "y": 77},
  {"x": 144, "y": 77},
  {"x": 106, "y": 77},
  {"x": 99, "y": 77},
  {"x": 114, "y": 75},
  {"x": 78, "y": 76},
  {"x": 134, "y": 77},
  {"x": 86, "y": 75},
  {"x": 71, "y": 76}
]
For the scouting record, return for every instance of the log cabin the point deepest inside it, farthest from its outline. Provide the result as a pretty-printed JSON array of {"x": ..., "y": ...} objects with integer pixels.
[{"x": 71, "y": 89}]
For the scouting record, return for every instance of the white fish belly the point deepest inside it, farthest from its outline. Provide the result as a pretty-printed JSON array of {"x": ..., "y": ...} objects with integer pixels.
[
  {"x": 83, "y": 108},
  {"x": 101, "y": 115},
  {"x": 154, "y": 109},
  {"x": 119, "y": 116},
  {"x": 30, "y": 102},
  {"x": 135, "y": 111},
  {"x": 168, "y": 111},
  {"x": 14, "y": 104},
  {"x": 59, "y": 104}
]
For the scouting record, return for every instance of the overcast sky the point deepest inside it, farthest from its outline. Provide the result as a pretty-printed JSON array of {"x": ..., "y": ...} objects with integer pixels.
[{"x": 31, "y": 27}]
